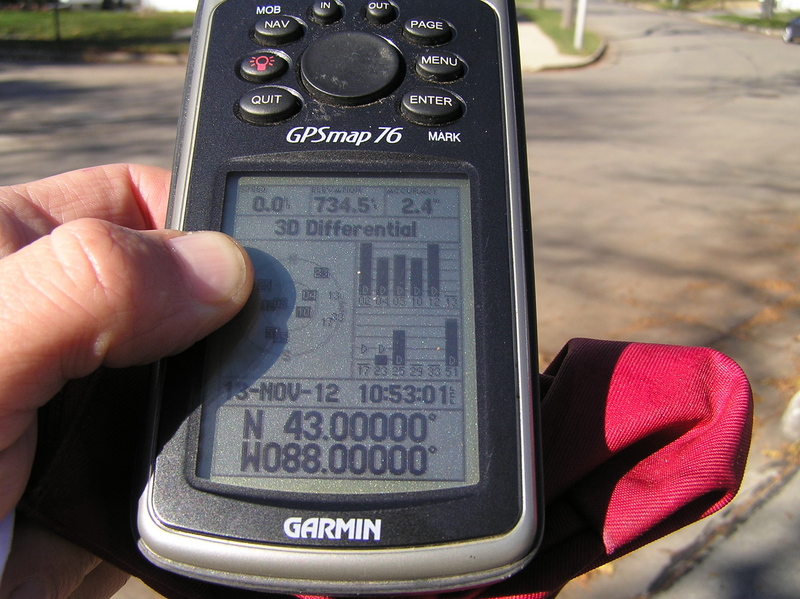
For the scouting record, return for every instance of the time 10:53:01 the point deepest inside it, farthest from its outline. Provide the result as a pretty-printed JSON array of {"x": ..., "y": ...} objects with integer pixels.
[{"x": 408, "y": 394}]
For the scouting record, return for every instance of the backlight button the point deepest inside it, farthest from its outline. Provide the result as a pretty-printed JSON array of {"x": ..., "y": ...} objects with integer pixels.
[{"x": 262, "y": 66}]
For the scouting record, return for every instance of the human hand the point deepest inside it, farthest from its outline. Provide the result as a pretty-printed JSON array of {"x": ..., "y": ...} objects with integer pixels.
[{"x": 85, "y": 281}]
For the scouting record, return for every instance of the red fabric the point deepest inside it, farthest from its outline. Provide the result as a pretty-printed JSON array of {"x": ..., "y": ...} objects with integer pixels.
[{"x": 638, "y": 441}]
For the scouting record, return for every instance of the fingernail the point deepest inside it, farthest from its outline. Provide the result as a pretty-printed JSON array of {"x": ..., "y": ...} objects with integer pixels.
[
  {"x": 30, "y": 589},
  {"x": 214, "y": 265}
]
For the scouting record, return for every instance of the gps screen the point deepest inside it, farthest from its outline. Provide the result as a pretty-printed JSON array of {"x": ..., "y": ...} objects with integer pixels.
[{"x": 352, "y": 367}]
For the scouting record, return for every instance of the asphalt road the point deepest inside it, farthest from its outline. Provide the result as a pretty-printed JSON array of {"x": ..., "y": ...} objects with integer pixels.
[
  {"x": 667, "y": 209},
  {"x": 59, "y": 117},
  {"x": 666, "y": 204}
]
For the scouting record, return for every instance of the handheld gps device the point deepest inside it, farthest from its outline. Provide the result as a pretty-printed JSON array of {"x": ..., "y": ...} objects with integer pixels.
[{"x": 367, "y": 423}]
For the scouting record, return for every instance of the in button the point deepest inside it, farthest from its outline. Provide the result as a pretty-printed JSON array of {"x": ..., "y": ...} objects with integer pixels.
[{"x": 326, "y": 12}]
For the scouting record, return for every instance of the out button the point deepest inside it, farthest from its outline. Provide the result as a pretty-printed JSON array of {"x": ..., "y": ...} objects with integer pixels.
[
  {"x": 431, "y": 106},
  {"x": 380, "y": 12}
]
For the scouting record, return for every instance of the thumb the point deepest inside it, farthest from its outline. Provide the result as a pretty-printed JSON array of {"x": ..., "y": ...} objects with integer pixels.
[{"x": 93, "y": 293}]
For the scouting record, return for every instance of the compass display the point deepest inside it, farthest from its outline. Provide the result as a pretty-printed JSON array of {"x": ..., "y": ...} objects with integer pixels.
[{"x": 354, "y": 358}]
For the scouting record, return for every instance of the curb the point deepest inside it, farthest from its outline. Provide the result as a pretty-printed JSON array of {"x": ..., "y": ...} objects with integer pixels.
[{"x": 585, "y": 62}]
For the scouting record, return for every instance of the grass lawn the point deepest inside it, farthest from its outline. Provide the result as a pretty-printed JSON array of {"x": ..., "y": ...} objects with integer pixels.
[
  {"x": 89, "y": 31},
  {"x": 779, "y": 21},
  {"x": 549, "y": 21},
  {"x": 84, "y": 31}
]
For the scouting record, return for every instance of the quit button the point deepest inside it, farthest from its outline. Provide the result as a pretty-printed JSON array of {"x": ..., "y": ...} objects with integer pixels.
[
  {"x": 431, "y": 106},
  {"x": 270, "y": 104}
]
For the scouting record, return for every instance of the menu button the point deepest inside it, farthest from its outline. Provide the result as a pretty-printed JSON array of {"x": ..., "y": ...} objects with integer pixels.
[{"x": 440, "y": 66}]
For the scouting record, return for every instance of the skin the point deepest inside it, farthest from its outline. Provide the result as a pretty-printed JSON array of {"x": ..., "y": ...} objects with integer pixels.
[{"x": 88, "y": 277}]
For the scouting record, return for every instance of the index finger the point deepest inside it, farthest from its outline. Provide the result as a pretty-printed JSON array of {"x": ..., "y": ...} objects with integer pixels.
[{"x": 134, "y": 196}]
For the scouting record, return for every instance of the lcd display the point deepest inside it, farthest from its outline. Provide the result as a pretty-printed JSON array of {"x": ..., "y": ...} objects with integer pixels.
[{"x": 352, "y": 368}]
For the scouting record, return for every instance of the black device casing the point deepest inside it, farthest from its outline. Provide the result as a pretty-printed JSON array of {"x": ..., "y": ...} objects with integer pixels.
[{"x": 184, "y": 521}]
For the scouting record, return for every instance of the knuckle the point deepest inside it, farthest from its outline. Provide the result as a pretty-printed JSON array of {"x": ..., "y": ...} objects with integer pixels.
[
  {"x": 91, "y": 256},
  {"x": 101, "y": 281}
]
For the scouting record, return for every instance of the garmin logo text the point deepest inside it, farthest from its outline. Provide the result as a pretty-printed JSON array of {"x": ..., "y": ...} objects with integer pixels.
[
  {"x": 354, "y": 529},
  {"x": 318, "y": 135}
]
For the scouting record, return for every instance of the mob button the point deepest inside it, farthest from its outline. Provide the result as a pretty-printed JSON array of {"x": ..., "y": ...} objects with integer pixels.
[
  {"x": 277, "y": 30},
  {"x": 431, "y": 106},
  {"x": 270, "y": 104}
]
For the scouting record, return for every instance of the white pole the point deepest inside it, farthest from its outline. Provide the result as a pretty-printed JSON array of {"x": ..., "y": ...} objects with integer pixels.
[{"x": 580, "y": 25}]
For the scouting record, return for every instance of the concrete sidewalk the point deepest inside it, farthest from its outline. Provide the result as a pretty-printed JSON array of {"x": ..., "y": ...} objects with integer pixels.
[{"x": 538, "y": 52}]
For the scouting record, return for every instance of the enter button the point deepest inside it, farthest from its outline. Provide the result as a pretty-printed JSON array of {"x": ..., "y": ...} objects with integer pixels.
[{"x": 431, "y": 106}]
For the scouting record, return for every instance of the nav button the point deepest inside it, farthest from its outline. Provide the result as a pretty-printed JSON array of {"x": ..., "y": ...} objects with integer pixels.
[
  {"x": 431, "y": 106},
  {"x": 277, "y": 30},
  {"x": 267, "y": 105}
]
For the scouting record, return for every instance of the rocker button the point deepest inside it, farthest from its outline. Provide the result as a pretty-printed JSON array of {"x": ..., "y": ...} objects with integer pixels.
[
  {"x": 262, "y": 66},
  {"x": 274, "y": 31},
  {"x": 428, "y": 31},
  {"x": 350, "y": 68},
  {"x": 440, "y": 66},
  {"x": 431, "y": 106},
  {"x": 270, "y": 104}
]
